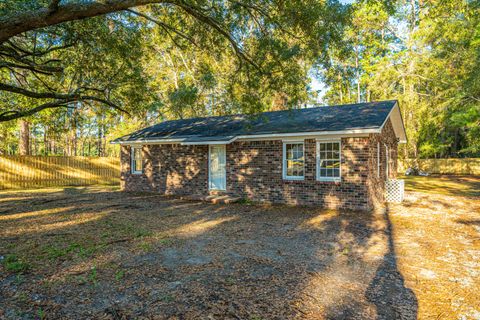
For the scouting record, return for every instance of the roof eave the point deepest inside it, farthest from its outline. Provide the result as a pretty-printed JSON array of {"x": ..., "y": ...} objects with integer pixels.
[{"x": 183, "y": 141}]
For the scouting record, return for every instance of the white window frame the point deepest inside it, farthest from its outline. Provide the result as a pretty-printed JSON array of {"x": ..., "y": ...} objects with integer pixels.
[
  {"x": 210, "y": 186},
  {"x": 133, "y": 160},
  {"x": 317, "y": 160},
  {"x": 284, "y": 160}
]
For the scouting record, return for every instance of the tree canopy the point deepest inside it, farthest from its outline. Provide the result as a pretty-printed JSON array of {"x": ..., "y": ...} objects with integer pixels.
[
  {"x": 423, "y": 53},
  {"x": 51, "y": 56},
  {"x": 78, "y": 73}
]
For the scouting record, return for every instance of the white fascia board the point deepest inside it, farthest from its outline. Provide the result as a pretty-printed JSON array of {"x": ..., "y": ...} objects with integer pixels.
[
  {"x": 267, "y": 136},
  {"x": 397, "y": 123},
  {"x": 294, "y": 135},
  {"x": 213, "y": 142},
  {"x": 388, "y": 116},
  {"x": 143, "y": 141}
]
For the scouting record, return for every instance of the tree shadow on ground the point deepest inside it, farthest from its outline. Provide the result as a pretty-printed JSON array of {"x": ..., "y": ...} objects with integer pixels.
[
  {"x": 472, "y": 222},
  {"x": 195, "y": 260},
  {"x": 387, "y": 290}
]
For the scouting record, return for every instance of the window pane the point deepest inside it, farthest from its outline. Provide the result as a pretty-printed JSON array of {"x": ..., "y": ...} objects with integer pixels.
[
  {"x": 294, "y": 159},
  {"x": 336, "y": 173},
  {"x": 137, "y": 153},
  {"x": 300, "y": 171},
  {"x": 289, "y": 171},
  {"x": 137, "y": 164},
  {"x": 329, "y": 160}
]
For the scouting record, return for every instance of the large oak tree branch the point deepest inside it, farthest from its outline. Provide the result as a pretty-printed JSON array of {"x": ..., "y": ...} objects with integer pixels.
[
  {"x": 16, "y": 23},
  {"x": 61, "y": 99},
  {"x": 14, "y": 114},
  {"x": 38, "y": 68}
]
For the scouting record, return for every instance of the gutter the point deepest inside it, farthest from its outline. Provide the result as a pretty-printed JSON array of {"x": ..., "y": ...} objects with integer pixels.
[{"x": 183, "y": 141}]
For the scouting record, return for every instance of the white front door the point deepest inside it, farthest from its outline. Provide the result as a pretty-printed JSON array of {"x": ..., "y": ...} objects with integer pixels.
[{"x": 217, "y": 175}]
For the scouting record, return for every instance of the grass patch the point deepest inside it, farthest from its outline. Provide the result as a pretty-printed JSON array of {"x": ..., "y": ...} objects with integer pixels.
[
  {"x": 13, "y": 264},
  {"x": 165, "y": 241},
  {"x": 119, "y": 274},
  {"x": 467, "y": 186},
  {"x": 70, "y": 251}
]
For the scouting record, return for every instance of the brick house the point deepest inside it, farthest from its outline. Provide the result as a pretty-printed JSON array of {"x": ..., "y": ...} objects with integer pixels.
[{"x": 334, "y": 157}]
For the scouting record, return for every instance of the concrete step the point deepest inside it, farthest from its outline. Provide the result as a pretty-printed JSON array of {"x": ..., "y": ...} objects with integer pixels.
[{"x": 213, "y": 198}]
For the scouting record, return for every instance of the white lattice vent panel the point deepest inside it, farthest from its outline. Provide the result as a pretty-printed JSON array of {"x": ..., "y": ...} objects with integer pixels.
[{"x": 395, "y": 190}]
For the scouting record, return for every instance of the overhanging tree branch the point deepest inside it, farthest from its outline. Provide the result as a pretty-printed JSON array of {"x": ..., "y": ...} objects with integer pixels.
[
  {"x": 165, "y": 27},
  {"x": 19, "y": 22},
  {"x": 14, "y": 114},
  {"x": 61, "y": 99},
  {"x": 206, "y": 19}
]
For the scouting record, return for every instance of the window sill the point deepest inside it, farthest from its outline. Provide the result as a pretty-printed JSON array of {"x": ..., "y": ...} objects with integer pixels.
[
  {"x": 136, "y": 172},
  {"x": 293, "y": 178},
  {"x": 337, "y": 180}
]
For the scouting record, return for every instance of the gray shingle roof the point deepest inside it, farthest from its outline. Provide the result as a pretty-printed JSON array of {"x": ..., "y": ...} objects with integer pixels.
[{"x": 358, "y": 116}]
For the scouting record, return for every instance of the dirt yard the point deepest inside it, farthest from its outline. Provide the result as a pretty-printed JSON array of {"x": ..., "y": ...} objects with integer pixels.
[{"x": 99, "y": 253}]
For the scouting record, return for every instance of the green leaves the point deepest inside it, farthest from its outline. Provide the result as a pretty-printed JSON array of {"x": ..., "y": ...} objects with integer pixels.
[{"x": 425, "y": 56}]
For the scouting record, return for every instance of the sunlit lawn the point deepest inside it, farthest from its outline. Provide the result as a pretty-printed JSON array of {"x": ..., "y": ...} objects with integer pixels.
[{"x": 444, "y": 184}]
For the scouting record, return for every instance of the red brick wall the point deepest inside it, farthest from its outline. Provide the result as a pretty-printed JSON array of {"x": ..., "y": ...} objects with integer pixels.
[
  {"x": 167, "y": 169},
  {"x": 376, "y": 182},
  {"x": 254, "y": 170}
]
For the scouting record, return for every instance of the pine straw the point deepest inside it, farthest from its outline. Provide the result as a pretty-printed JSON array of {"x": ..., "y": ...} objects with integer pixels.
[{"x": 101, "y": 253}]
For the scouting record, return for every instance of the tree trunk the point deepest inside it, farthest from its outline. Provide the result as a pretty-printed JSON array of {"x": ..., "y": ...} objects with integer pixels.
[
  {"x": 100, "y": 141},
  {"x": 24, "y": 143},
  {"x": 358, "y": 75},
  {"x": 45, "y": 140}
]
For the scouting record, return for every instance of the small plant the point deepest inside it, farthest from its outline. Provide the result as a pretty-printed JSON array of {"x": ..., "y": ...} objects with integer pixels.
[
  {"x": 230, "y": 280},
  {"x": 54, "y": 253},
  {"x": 41, "y": 314},
  {"x": 165, "y": 241},
  {"x": 140, "y": 233},
  {"x": 19, "y": 278},
  {"x": 92, "y": 277},
  {"x": 168, "y": 298},
  {"x": 13, "y": 264},
  {"x": 145, "y": 246},
  {"x": 246, "y": 201},
  {"x": 22, "y": 297},
  {"x": 119, "y": 275},
  {"x": 86, "y": 252}
]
